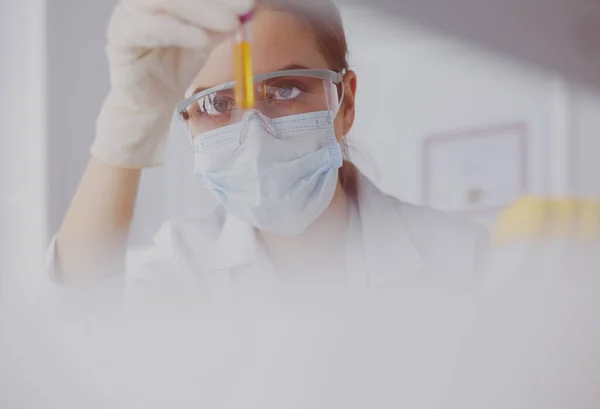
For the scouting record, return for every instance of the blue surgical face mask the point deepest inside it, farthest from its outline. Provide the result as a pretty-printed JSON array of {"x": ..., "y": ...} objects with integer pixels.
[{"x": 278, "y": 175}]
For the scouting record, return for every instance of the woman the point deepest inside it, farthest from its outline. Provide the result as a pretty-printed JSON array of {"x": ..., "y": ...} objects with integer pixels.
[{"x": 293, "y": 206}]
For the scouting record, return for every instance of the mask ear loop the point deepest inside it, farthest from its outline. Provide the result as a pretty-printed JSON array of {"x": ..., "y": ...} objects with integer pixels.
[
  {"x": 331, "y": 94},
  {"x": 345, "y": 148},
  {"x": 341, "y": 101},
  {"x": 191, "y": 139},
  {"x": 334, "y": 95},
  {"x": 344, "y": 139}
]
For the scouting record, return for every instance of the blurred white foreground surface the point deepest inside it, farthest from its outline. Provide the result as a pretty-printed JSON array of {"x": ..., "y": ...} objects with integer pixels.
[{"x": 528, "y": 343}]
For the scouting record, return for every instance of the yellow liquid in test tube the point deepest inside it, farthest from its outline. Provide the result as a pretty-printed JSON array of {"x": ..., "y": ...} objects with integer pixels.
[{"x": 244, "y": 85}]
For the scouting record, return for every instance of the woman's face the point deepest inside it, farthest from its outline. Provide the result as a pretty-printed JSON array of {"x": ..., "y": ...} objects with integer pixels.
[{"x": 279, "y": 42}]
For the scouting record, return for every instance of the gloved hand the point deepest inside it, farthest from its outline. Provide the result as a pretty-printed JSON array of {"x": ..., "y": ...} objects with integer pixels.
[{"x": 155, "y": 49}]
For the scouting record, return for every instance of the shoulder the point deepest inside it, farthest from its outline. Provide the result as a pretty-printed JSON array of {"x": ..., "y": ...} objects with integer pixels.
[
  {"x": 430, "y": 221},
  {"x": 445, "y": 238},
  {"x": 440, "y": 240}
]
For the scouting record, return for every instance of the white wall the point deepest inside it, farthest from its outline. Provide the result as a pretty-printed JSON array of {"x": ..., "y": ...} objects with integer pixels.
[
  {"x": 586, "y": 146},
  {"x": 415, "y": 82},
  {"x": 78, "y": 75},
  {"x": 22, "y": 144},
  {"x": 78, "y": 82}
]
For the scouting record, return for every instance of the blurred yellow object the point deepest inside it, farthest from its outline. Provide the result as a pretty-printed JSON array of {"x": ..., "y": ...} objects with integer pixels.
[{"x": 536, "y": 217}]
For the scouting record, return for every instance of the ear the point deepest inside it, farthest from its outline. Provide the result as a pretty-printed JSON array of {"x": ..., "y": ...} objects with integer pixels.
[{"x": 348, "y": 105}]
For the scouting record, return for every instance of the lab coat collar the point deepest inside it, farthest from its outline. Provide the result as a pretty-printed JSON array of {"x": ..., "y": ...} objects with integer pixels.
[
  {"x": 389, "y": 251},
  {"x": 237, "y": 245}
]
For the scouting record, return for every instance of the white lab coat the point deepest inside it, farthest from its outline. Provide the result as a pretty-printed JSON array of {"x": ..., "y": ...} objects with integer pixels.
[{"x": 389, "y": 242}]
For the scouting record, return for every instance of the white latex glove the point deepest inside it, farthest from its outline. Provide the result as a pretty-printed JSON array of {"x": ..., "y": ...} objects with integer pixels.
[{"x": 155, "y": 49}]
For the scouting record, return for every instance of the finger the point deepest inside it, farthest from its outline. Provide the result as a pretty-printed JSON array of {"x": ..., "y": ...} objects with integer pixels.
[
  {"x": 209, "y": 14},
  {"x": 132, "y": 27},
  {"x": 214, "y": 15},
  {"x": 239, "y": 7}
]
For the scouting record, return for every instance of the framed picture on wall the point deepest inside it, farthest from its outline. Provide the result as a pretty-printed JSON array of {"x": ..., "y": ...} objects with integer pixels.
[{"x": 475, "y": 171}]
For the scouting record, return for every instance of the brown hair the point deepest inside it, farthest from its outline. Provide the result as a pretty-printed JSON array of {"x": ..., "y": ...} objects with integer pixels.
[{"x": 323, "y": 19}]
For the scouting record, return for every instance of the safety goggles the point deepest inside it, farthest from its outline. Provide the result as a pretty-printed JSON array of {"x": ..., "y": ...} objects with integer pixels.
[{"x": 277, "y": 94}]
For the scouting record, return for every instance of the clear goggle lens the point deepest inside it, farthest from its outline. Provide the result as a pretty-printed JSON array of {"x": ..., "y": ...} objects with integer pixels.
[{"x": 275, "y": 97}]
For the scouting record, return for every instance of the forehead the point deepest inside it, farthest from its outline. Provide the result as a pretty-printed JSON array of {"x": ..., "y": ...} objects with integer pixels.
[{"x": 278, "y": 40}]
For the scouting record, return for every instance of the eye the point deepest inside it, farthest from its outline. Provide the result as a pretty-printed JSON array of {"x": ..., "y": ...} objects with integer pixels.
[
  {"x": 221, "y": 105},
  {"x": 215, "y": 104},
  {"x": 288, "y": 92}
]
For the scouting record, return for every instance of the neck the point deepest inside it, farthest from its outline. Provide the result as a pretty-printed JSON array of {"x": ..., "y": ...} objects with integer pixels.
[{"x": 322, "y": 245}]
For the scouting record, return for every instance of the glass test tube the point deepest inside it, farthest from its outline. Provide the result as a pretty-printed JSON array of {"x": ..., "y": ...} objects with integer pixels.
[{"x": 244, "y": 86}]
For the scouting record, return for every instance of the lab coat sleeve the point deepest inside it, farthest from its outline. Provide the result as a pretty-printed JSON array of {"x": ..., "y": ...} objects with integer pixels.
[
  {"x": 57, "y": 299},
  {"x": 110, "y": 292}
]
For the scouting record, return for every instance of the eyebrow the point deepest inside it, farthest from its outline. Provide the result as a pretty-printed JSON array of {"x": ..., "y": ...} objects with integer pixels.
[{"x": 286, "y": 68}]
